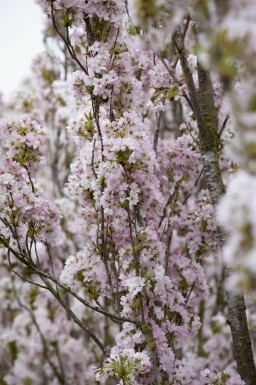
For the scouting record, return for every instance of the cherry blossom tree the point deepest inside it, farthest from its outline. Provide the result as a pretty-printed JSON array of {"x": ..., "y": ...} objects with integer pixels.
[{"x": 127, "y": 202}]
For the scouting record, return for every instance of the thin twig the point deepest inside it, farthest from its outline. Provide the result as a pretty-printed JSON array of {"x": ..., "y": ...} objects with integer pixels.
[
  {"x": 171, "y": 197},
  {"x": 223, "y": 125},
  {"x": 68, "y": 45}
]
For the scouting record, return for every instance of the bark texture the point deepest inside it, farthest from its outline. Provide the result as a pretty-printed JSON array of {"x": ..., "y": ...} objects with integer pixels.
[
  {"x": 241, "y": 338},
  {"x": 206, "y": 116}
]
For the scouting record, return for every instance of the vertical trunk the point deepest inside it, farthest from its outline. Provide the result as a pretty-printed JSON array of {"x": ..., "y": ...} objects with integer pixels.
[
  {"x": 241, "y": 338},
  {"x": 206, "y": 116}
]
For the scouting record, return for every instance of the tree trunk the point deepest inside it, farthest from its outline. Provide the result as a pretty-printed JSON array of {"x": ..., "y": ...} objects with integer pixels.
[{"x": 206, "y": 116}]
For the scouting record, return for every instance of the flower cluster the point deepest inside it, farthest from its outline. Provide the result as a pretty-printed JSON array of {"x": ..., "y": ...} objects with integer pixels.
[
  {"x": 24, "y": 211},
  {"x": 126, "y": 365},
  {"x": 25, "y": 141}
]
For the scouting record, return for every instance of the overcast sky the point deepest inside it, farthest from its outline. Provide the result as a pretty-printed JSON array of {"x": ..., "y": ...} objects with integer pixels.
[{"x": 20, "y": 41}]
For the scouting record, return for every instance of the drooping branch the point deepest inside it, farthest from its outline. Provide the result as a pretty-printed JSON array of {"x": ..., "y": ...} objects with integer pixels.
[{"x": 35, "y": 270}]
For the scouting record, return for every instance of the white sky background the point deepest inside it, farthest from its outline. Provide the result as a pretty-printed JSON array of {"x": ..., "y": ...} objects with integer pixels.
[{"x": 20, "y": 41}]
